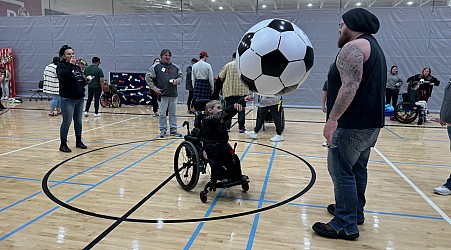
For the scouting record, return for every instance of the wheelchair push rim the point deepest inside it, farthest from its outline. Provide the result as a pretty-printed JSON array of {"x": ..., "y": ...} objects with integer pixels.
[
  {"x": 186, "y": 165},
  {"x": 404, "y": 113}
]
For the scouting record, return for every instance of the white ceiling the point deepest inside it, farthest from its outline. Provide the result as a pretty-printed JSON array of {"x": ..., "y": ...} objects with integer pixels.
[{"x": 259, "y": 5}]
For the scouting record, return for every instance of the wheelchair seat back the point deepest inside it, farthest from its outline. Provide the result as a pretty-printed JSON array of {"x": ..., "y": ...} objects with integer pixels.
[{"x": 199, "y": 105}]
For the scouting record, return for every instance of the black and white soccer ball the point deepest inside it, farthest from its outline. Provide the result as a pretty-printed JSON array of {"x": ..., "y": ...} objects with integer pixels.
[{"x": 274, "y": 57}]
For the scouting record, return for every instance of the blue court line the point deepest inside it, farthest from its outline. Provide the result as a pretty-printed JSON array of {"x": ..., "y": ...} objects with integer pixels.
[
  {"x": 213, "y": 204},
  {"x": 394, "y": 133},
  {"x": 83, "y": 192},
  {"x": 73, "y": 176},
  {"x": 366, "y": 211},
  {"x": 251, "y": 238},
  {"x": 39, "y": 180}
]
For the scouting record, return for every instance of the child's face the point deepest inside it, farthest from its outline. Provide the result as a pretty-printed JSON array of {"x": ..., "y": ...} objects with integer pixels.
[{"x": 216, "y": 109}]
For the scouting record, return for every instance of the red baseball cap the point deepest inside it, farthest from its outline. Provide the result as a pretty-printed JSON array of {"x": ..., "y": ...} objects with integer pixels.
[{"x": 203, "y": 53}]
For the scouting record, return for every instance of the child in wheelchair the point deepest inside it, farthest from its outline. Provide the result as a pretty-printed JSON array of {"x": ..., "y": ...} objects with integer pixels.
[
  {"x": 110, "y": 96},
  {"x": 413, "y": 97},
  {"x": 224, "y": 163}
]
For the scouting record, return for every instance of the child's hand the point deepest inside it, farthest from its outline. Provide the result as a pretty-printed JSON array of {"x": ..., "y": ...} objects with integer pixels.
[{"x": 238, "y": 107}]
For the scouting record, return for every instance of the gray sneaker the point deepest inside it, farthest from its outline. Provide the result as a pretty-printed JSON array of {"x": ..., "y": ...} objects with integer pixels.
[
  {"x": 176, "y": 134},
  {"x": 162, "y": 135}
]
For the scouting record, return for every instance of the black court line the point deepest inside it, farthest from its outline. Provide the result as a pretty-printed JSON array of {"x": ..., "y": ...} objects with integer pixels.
[{"x": 119, "y": 220}]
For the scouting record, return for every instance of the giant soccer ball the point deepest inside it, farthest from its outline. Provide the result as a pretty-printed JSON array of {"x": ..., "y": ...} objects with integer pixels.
[{"x": 274, "y": 57}]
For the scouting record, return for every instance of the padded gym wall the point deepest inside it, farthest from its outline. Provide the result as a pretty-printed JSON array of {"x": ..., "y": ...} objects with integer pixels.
[{"x": 412, "y": 39}]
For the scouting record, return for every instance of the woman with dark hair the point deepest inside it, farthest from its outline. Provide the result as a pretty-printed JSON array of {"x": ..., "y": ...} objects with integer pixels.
[
  {"x": 72, "y": 84},
  {"x": 427, "y": 82},
  {"x": 392, "y": 87}
]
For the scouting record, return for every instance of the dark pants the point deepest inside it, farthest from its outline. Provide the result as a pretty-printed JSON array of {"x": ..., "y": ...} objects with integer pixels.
[
  {"x": 96, "y": 92},
  {"x": 391, "y": 96},
  {"x": 222, "y": 162},
  {"x": 189, "y": 102},
  {"x": 275, "y": 114},
  {"x": 154, "y": 96},
  {"x": 241, "y": 115}
]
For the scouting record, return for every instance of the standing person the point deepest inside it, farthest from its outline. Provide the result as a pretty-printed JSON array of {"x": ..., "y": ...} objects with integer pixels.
[
  {"x": 95, "y": 73},
  {"x": 2, "y": 76},
  {"x": 324, "y": 103},
  {"x": 233, "y": 90},
  {"x": 445, "y": 120},
  {"x": 427, "y": 82},
  {"x": 394, "y": 83},
  {"x": 203, "y": 79},
  {"x": 72, "y": 84},
  {"x": 357, "y": 79},
  {"x": 5, "y": 79},
  {"x": 264, "y": 104},
  {"x": 163, "y": 78},
  {"x": 154, "y": 95},
  {"x": 51, "y": 86},
  {"x": 189, "y": 86}
]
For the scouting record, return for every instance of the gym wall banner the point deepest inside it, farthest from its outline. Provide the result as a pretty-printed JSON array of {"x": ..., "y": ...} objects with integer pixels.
[
  {"x": 7, "y": 61},
  {"x": 13, "y": 8}
]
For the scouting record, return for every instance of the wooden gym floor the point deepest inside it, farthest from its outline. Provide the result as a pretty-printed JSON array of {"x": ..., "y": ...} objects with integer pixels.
[{"x": 120, "y": 193}]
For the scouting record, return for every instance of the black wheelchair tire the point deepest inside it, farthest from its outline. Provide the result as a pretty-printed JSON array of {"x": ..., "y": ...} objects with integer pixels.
[
  {"x": 189, "y": 175},
  {"x": 400, "y": 111},
  {"x": 115, "y": 101},
  {"x": 102, "y": 101}
]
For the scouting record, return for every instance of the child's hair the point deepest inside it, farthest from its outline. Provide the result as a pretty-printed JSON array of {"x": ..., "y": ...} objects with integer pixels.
[
  {"x": 211, "y": 104},
  {"x": 412, "y": 85}
]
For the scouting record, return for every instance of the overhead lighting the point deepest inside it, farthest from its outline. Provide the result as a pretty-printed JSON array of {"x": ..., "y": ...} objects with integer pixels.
[
  {"x": 358, "y": 4},
  {"x": 309, "y": 5},
  {"x": 168, "y": 2},
  {"x": 409, "y": 3},
  {"x": 220, "y": 7},
  {"x": 264, "y": 6},
  {"x": 213, "y": 1}
]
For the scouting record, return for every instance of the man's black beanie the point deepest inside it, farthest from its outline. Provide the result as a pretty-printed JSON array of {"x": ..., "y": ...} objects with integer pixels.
[{"x": 361, "y": 20}]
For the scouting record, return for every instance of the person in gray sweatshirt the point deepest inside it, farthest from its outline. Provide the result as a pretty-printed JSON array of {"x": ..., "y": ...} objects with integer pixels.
[
  {"x": 392, "y": 87},
  {"x": 163, "y": 78}
]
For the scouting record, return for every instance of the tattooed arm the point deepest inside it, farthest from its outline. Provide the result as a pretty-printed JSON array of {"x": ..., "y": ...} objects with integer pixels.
[{"x": 350, "y": 66}]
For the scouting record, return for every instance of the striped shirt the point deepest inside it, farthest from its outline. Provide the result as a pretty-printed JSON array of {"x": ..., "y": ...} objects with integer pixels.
[
  {"x": 232, "y": 83},
  {"x": 51, "y": 83}
]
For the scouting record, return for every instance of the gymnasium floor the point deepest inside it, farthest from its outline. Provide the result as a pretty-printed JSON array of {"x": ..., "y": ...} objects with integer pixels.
[{"x": 120, "y": 193}]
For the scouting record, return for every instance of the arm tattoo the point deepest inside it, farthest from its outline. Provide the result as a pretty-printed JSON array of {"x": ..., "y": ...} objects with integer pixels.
[{"x": 350, "y": 65}]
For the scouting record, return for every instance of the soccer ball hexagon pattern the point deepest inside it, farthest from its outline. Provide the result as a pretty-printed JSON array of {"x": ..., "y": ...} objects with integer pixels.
[{"x": 274, "y": 57}]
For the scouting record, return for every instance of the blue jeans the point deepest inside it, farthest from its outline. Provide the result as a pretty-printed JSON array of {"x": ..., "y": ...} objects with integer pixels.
[
  {"x": 55, "y": 102},
  {"x": 347, "y": 164},
  {"x": 241, "y": 115},
  {"x": 72, "y": 109},
  {"x": 168, "y": 104}
]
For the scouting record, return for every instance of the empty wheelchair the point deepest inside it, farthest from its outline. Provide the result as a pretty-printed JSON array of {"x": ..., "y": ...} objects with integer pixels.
[
  {"x": 110, "y": 98},
  {"x": 190, "y": 160}
]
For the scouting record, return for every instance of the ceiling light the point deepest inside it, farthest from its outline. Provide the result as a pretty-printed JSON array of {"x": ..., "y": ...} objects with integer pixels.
[
  {"x": 213, "y": 1},
  {"x": 358, "y": 4},
  {"x": 409, "y": 3},
  {"x": 309, "y": 5},
  {"x": 168, "y": 2},
  {"x": 264, "y": 6},
  {"x": 220, "y": 7}
]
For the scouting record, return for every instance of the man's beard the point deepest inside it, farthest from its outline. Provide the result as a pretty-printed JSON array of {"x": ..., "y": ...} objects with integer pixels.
[{"x": 343, "y": 39}]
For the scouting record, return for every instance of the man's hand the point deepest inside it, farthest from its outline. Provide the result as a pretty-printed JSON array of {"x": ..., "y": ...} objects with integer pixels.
[
  {"x": 329, "y": 129},
  {"x": 158, "y": 91},
  {"x": 248, "y": 98},
  {"x": 238, "y": 107}
]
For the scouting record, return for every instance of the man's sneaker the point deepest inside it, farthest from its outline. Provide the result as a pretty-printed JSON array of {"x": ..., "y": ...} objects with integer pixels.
[
  {"x": 252, "y": 134},
  {"x": 176, "y": 134},
  {"x": 325, "y": 230},
  {"x": 86, "y": 114},
  {"x": 155, "y": 114},
  {"x": 97, "y": 115},
  {"x": 325, "y": 144},
  {"x": 162, "y": 135},
  {"x": 242, "y": 130},
  {"x": 442, "y": 190},
  {"x": 277, "y": 138}
]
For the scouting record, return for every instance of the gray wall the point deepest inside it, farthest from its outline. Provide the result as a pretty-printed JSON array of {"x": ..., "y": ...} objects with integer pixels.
[{"x": 412, "y": 39}]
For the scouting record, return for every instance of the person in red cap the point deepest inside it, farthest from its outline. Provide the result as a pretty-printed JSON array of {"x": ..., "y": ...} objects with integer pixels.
[
  {"x": 355, "y": 115},
  {"x": 202, "y": 78}
]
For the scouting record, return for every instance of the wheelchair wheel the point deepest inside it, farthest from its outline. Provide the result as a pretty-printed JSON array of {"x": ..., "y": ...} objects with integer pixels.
[
  {"x": 186, "y": 165},
  {"x": 115, "y": 101},
  {"x": 245, "y": 186},
  {"x": 405, "y": 113},
  {"x": 103, "y": 101},
  {"x": 203, "y": 196}
]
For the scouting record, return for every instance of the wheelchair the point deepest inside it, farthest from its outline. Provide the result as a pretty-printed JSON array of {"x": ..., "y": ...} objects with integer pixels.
[
  {"x": 110, "y": 98},
  {"x": 190, "y": 161},
  {"x": 405, "y": 112}
]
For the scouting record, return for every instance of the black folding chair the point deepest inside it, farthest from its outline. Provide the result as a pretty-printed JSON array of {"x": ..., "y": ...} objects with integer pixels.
[{"x": 39, "y": 92}]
